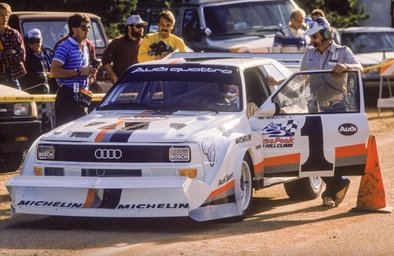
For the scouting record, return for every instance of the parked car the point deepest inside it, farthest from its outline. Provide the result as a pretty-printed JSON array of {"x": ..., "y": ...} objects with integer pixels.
[
  {"x": 194, "y": 137},
  {"x": 19, "y": 127},
  {"x": 53, "y": 26},
  {"x": 229, "y": 26},
  {"x": 370, "y": 45}
]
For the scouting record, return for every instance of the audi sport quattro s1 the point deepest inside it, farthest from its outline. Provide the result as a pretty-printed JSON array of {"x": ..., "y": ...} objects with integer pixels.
[{"x": 195, "y": 138}]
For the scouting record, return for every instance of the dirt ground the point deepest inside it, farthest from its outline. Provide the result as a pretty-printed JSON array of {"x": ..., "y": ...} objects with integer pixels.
[{"x": 276, "y": 226}]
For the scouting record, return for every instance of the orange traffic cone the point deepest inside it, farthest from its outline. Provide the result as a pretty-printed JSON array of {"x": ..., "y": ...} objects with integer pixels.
[{"x": 371, "y": 195}]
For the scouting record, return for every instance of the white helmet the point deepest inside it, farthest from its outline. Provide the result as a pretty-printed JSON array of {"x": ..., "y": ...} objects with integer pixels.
[{"x": 316, "y": 25}]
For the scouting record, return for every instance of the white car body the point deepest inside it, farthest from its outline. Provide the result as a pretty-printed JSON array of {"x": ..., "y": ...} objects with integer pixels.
[{"x": 200, "y": 161}]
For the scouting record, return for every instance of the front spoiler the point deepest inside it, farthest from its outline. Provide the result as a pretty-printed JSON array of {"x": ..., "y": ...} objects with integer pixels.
[{"x": 107, "y": 197}]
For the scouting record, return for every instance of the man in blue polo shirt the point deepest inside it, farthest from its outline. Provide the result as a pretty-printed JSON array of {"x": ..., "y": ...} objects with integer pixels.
[{"x": 70, "y": 67}]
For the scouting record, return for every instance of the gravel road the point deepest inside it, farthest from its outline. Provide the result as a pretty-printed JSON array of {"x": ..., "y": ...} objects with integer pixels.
[{"x": 277, "y": 225}]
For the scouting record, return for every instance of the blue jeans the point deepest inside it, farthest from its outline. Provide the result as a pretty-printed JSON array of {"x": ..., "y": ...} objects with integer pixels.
[{"x": 333, "y": 185}]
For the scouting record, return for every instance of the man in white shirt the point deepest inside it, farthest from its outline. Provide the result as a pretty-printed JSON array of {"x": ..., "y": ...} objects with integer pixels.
[{"x": 291, "y": 38}]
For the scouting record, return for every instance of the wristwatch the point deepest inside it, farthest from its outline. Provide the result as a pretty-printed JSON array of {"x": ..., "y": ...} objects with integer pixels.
[{"x": 78, "y": 71}]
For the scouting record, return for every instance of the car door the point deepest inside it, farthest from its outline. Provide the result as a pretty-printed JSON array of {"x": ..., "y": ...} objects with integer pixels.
[{"x": 305, "y": 131}]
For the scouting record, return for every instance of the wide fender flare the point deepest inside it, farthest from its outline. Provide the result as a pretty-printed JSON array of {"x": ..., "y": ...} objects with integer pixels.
[{"x": 30, "y": 158}]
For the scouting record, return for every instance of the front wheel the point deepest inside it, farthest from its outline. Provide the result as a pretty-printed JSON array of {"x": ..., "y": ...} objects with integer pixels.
[
  {"x": 244, "y": 187},
  {"x": 304, "y": 188}
]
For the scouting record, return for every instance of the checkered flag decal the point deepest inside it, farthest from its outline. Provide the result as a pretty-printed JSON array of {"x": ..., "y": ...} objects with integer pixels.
[
  {"x": 290, "y": 127},
  {"x": 286, "y": 129}
]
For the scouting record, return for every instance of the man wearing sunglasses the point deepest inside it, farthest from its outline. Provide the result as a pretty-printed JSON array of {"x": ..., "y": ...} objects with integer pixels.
[
  {"x": 12, "y": 51},
  {"x": 70, "y": 67},
  {"x": 38, "y": 61},
  {"x": 318, "y": 13},
  {"x": 122, "y": 52},
  {"x": 327, "y": 55}
]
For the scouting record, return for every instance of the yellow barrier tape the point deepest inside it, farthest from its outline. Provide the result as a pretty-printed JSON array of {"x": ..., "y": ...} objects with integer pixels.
[
  {"x": 387, "y": 63},
  {"x": 41, "y": 98}
]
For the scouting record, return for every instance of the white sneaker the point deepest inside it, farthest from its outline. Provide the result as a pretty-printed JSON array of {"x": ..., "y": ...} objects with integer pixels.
[
  {"x": 341, "y": 195},
  {"x": 328, "y": 202}
]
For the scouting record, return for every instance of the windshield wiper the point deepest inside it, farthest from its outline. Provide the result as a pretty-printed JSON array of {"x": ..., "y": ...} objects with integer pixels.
[
  {"x": 127, "y": 106},
  {"x": 265, "y": 29},
  {"x": 229, "y": 34},
  {"x": 193, "y": 107}
]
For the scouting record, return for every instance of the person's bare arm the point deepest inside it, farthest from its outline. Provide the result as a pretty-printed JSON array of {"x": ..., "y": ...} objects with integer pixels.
[
  {"x": 58, "y": 71},
  {"x": 340, "y": 68},
  {"x": 110, "y": 72}
]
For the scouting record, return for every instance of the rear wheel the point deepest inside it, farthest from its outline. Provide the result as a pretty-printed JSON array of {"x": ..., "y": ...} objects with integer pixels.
[
  {"x": 10, "y": 162},
  {"x": 304, "y": 188}
]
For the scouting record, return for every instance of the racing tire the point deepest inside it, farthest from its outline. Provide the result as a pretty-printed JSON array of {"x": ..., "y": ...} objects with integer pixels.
[
  {"x": 244, "y": 186},
  {"x": 10, "y": 162},
  {"x": 304, "y": 189}
]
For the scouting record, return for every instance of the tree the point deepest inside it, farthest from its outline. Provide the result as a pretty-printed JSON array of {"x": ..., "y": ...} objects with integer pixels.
[
  {"x": 340, "y": 13},
  {"x": 112, "y": 12}
]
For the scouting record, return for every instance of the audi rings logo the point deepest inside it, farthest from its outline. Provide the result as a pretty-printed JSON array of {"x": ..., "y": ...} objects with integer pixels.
[{"x": 107, "y": 154}]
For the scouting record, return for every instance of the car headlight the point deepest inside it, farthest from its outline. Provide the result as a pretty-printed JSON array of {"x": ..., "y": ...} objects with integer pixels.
[
  {"x": 179, "y": 154},
  {"x": 25, "y": 109}
]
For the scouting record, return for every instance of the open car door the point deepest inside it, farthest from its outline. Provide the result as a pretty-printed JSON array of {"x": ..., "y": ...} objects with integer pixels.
[{"x": 314, "y": 125}]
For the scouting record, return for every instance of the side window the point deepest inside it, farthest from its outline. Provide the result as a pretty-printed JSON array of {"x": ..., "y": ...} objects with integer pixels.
[
  {"x": 191, "y": 26},
  {"x": 317, "y": 93},
  {"x": 51, "y": 30},
  {"x": 151, "y": 16},
  {"x": 256, "y": 90},
  {"x": 95, "y": 35}
]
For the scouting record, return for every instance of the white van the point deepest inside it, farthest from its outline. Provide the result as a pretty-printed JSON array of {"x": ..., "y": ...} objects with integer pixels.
[{"x": 229, "y": 26}]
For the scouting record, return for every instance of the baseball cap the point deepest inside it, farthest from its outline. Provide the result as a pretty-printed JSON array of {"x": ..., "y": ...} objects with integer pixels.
[
  {"x": 34, "y": 33},
  {"x": 135, "y": 20},
  {"x": 316, "y": 25}
]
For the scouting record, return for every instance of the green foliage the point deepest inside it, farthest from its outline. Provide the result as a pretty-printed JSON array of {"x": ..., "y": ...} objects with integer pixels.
[
  {"x": 112, "y": 12},
  {"x": 340, "y": 13}
]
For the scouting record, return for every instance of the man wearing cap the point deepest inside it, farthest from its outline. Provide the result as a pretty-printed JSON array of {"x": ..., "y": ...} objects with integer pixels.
[
  {"x": 317, "y": 13},
  {"x": 38, "y": 60},
  {"x": 156, "y": 46},
  {"x": 122, "y": 52},
  {"x": 327, "y": 55},
  {"x": 12, "y": 51}
]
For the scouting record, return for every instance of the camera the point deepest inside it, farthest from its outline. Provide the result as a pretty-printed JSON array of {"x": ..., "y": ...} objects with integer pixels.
[
  {"x": 95, "y": 63},
  {"x": 159, "y": 47}
]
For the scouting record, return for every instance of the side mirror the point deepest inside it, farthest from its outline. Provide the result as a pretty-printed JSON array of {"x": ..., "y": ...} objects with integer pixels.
[{"x": 267, "y": 109}]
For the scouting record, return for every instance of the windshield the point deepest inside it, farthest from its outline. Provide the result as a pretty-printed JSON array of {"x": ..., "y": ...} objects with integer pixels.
[
  {"x": 369, "y": 42},
  {"x": 177, "y": 87},
  {"x": 319, "y": 92},
  {"x": 263, "y": 17},
  {"x": 53, "y": 30}
]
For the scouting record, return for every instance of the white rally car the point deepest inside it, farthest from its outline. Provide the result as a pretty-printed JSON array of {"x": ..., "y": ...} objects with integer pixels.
[{"x": 186, "y": 138}]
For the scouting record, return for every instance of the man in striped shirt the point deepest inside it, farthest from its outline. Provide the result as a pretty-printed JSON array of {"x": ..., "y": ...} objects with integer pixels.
[
  {"x": 70, "y": 67},
  {"x": 291, "y": 38}
]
